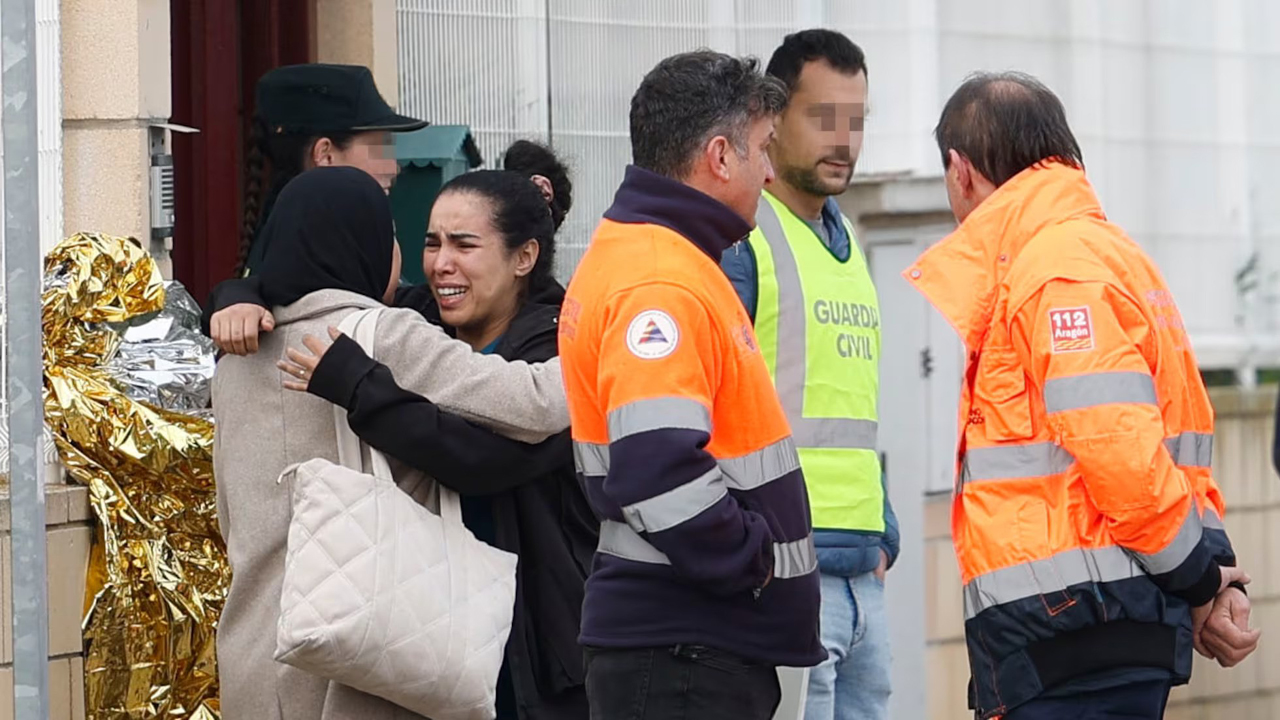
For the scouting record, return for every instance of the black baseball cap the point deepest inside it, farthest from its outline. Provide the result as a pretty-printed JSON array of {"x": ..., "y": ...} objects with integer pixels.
[{"x": 320, "y": 97}]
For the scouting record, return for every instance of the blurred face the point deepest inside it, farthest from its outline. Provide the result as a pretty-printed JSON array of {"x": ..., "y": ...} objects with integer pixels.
[
  {"x": 476, "y": 280},
  {"x": 819, "y": 135},
  {"x": 389, "y": 296},
  {"x": 370, "y": 151},
  {"x": 747, "y": 172}
]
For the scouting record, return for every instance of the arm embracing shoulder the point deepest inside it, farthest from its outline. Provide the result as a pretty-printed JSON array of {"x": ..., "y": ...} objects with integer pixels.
[{"x": 520, "y": 400}]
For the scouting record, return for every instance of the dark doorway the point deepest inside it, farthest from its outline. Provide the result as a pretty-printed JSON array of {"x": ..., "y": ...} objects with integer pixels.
[{"x": 220, "y": 49}]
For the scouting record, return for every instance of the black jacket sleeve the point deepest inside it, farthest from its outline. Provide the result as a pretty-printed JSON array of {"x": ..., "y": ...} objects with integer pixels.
[
  {"x": 228, "y": 293},
  {"x": 470, "y": 459}
]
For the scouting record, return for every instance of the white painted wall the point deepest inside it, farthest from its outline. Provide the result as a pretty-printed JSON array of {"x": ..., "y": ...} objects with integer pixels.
[{"x": 1173, "y": 102}]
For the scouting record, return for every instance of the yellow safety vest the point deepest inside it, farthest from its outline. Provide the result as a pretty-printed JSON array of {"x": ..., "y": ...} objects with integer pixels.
[{"x": 818, "y": 324}]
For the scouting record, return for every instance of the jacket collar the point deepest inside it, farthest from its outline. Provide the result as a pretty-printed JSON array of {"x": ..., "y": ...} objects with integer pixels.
[
  {"x": 962, "y": 274},
  {"x": 320, "y": 303},
  {"x": 649, "y": 198}
]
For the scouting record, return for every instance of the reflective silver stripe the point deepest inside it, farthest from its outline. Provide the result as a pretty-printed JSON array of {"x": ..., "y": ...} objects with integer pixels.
[
  {"x": 590, "y": 458},
  {"x": 1176, "y": 551},
  {"x": 761, "y": 467},
  {"x": 794, "y": 559},
  {"x": 1053, "y": 574},
  {"x": 677, "y": 505},
  {"x": 1211, "y": 521},
  {"x": 790, "y": 560},
  {"x": 1007, "y": 462},
  {"x": 619, "y": 540},
  {"x": 842, "y": 433},
  {"x": 792, "y": 345},
  {"x": 1191, "y": 449},
  {"x": 1086, "y": 391},
  {"x": 746, "y": 472},
  {"x": 658, "y": 414}
]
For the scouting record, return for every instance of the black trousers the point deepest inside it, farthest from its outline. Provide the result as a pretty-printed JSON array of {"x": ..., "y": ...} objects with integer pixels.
[
  {"x": 685, "y": 682},
  {"x": 1138, "y": 701}
]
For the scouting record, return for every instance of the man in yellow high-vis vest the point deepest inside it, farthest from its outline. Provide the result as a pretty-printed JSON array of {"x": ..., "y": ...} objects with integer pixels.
[{"x": 805, "y": 283}]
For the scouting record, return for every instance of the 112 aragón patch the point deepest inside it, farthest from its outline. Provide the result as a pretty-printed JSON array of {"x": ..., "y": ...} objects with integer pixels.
[{"x": 1071, "y": 329}]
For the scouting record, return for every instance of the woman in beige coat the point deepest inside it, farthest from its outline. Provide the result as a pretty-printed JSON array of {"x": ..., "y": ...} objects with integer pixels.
[{"x": 333, "y": 253}]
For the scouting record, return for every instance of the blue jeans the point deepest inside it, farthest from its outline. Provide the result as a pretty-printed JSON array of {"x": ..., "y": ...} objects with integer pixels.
[
  {"x": 853, "y": 682},
  {"x": 1139, "y": 701}
]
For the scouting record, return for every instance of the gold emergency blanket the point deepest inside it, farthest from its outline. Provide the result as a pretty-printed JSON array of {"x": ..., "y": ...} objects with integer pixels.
[{"x": 158, "y": 574}]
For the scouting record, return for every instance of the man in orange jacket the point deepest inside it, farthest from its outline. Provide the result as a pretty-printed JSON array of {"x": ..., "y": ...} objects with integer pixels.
[
  {"x": 1086, "y": 520},
  {"x": 705, "y": 579}
]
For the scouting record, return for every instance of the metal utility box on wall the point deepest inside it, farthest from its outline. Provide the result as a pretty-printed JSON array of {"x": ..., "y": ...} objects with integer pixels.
[{"x": 428, "y": 159}]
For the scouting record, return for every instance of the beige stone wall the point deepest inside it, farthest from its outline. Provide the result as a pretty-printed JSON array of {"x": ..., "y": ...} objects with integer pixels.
[
  {"x": 947, "y": 665},
  {"x": 1242, "y": 451},
  {"x": 115, "y": 83},
  {"x": 361, "y": 32},
  {"x": 70, "y": 534}
]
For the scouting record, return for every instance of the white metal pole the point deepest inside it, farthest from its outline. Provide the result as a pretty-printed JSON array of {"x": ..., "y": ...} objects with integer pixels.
[{"x": 22, "y": 353}]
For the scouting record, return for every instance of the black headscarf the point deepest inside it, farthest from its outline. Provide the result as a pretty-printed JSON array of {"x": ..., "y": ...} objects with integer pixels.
[{"x": 331, "y": 229}]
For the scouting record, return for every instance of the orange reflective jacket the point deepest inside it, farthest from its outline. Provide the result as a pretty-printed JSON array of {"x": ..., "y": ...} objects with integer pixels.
[
  {"x": 1086, "y": 520},
  {"x": 680, "y": 441}
]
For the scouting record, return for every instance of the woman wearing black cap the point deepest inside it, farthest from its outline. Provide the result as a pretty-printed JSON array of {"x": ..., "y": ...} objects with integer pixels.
[{"x": 313, "y": 115}]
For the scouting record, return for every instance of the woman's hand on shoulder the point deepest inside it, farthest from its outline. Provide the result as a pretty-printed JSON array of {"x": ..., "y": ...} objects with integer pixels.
[
  {"x": 234, "y": 329},
  {"x": 299, "y": 366}
]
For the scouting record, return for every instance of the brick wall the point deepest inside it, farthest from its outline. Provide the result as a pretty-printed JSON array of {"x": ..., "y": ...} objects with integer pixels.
[
  {"x": 1242, "y": 466},
  {"x": 69, "y": 536}
]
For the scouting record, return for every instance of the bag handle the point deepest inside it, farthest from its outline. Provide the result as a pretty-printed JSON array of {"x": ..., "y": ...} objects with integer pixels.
[
  {"x": 362, "y": 326},
  {"x": 359, "y": 326}
]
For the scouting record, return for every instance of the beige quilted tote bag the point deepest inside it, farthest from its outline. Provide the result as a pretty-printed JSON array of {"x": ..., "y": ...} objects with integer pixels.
[{"x": 385, "y": 596}]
